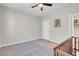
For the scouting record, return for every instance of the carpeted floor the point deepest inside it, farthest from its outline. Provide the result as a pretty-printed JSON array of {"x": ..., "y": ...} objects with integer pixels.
[{"x": 38, "y": 47}]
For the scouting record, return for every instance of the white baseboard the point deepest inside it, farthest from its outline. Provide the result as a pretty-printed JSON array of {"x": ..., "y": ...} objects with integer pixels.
[
  {"x": 4, "y": 45},
  {"x": 51, "y": 40}
]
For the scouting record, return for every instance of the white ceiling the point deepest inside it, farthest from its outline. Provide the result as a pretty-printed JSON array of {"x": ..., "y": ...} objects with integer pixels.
[{"x": 26, "y": 7}]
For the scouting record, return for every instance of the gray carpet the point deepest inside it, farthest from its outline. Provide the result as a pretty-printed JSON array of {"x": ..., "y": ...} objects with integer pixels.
[{"x": 38, "y": 47}]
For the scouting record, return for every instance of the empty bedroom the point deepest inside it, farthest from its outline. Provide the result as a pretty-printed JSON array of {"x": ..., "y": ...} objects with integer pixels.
[{"x": 38, "y": 29}]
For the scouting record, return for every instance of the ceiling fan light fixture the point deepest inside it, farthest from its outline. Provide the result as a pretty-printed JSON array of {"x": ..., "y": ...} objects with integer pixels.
[{"x": 40, "y": 5}]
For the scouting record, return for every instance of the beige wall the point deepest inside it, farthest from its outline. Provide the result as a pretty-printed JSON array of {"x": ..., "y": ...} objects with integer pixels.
[
  {"x": 18, "y": 26},
  {"x": 0, "y": 25},
  {"x": 61, "y": 33}
]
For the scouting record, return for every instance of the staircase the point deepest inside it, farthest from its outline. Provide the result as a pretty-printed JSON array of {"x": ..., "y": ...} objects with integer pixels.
[{"x": 69, "y": 47}]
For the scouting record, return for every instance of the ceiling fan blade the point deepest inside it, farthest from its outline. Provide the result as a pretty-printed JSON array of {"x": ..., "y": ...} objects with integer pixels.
[
  {"x": 34, "y": 6},
  {"x": 41, "y": 9},
  {"x": 47, "y": 4}
]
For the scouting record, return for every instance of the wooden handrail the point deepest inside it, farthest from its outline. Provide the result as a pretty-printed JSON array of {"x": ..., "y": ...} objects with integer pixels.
[
  {"x": 66, "y": 47},
  {"x": 62, "y": 53},
  {"x": 62, "y": 42}
]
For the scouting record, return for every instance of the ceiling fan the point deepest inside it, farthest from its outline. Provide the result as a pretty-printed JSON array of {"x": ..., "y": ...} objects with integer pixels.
[{"x": 41, "y": 5}]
